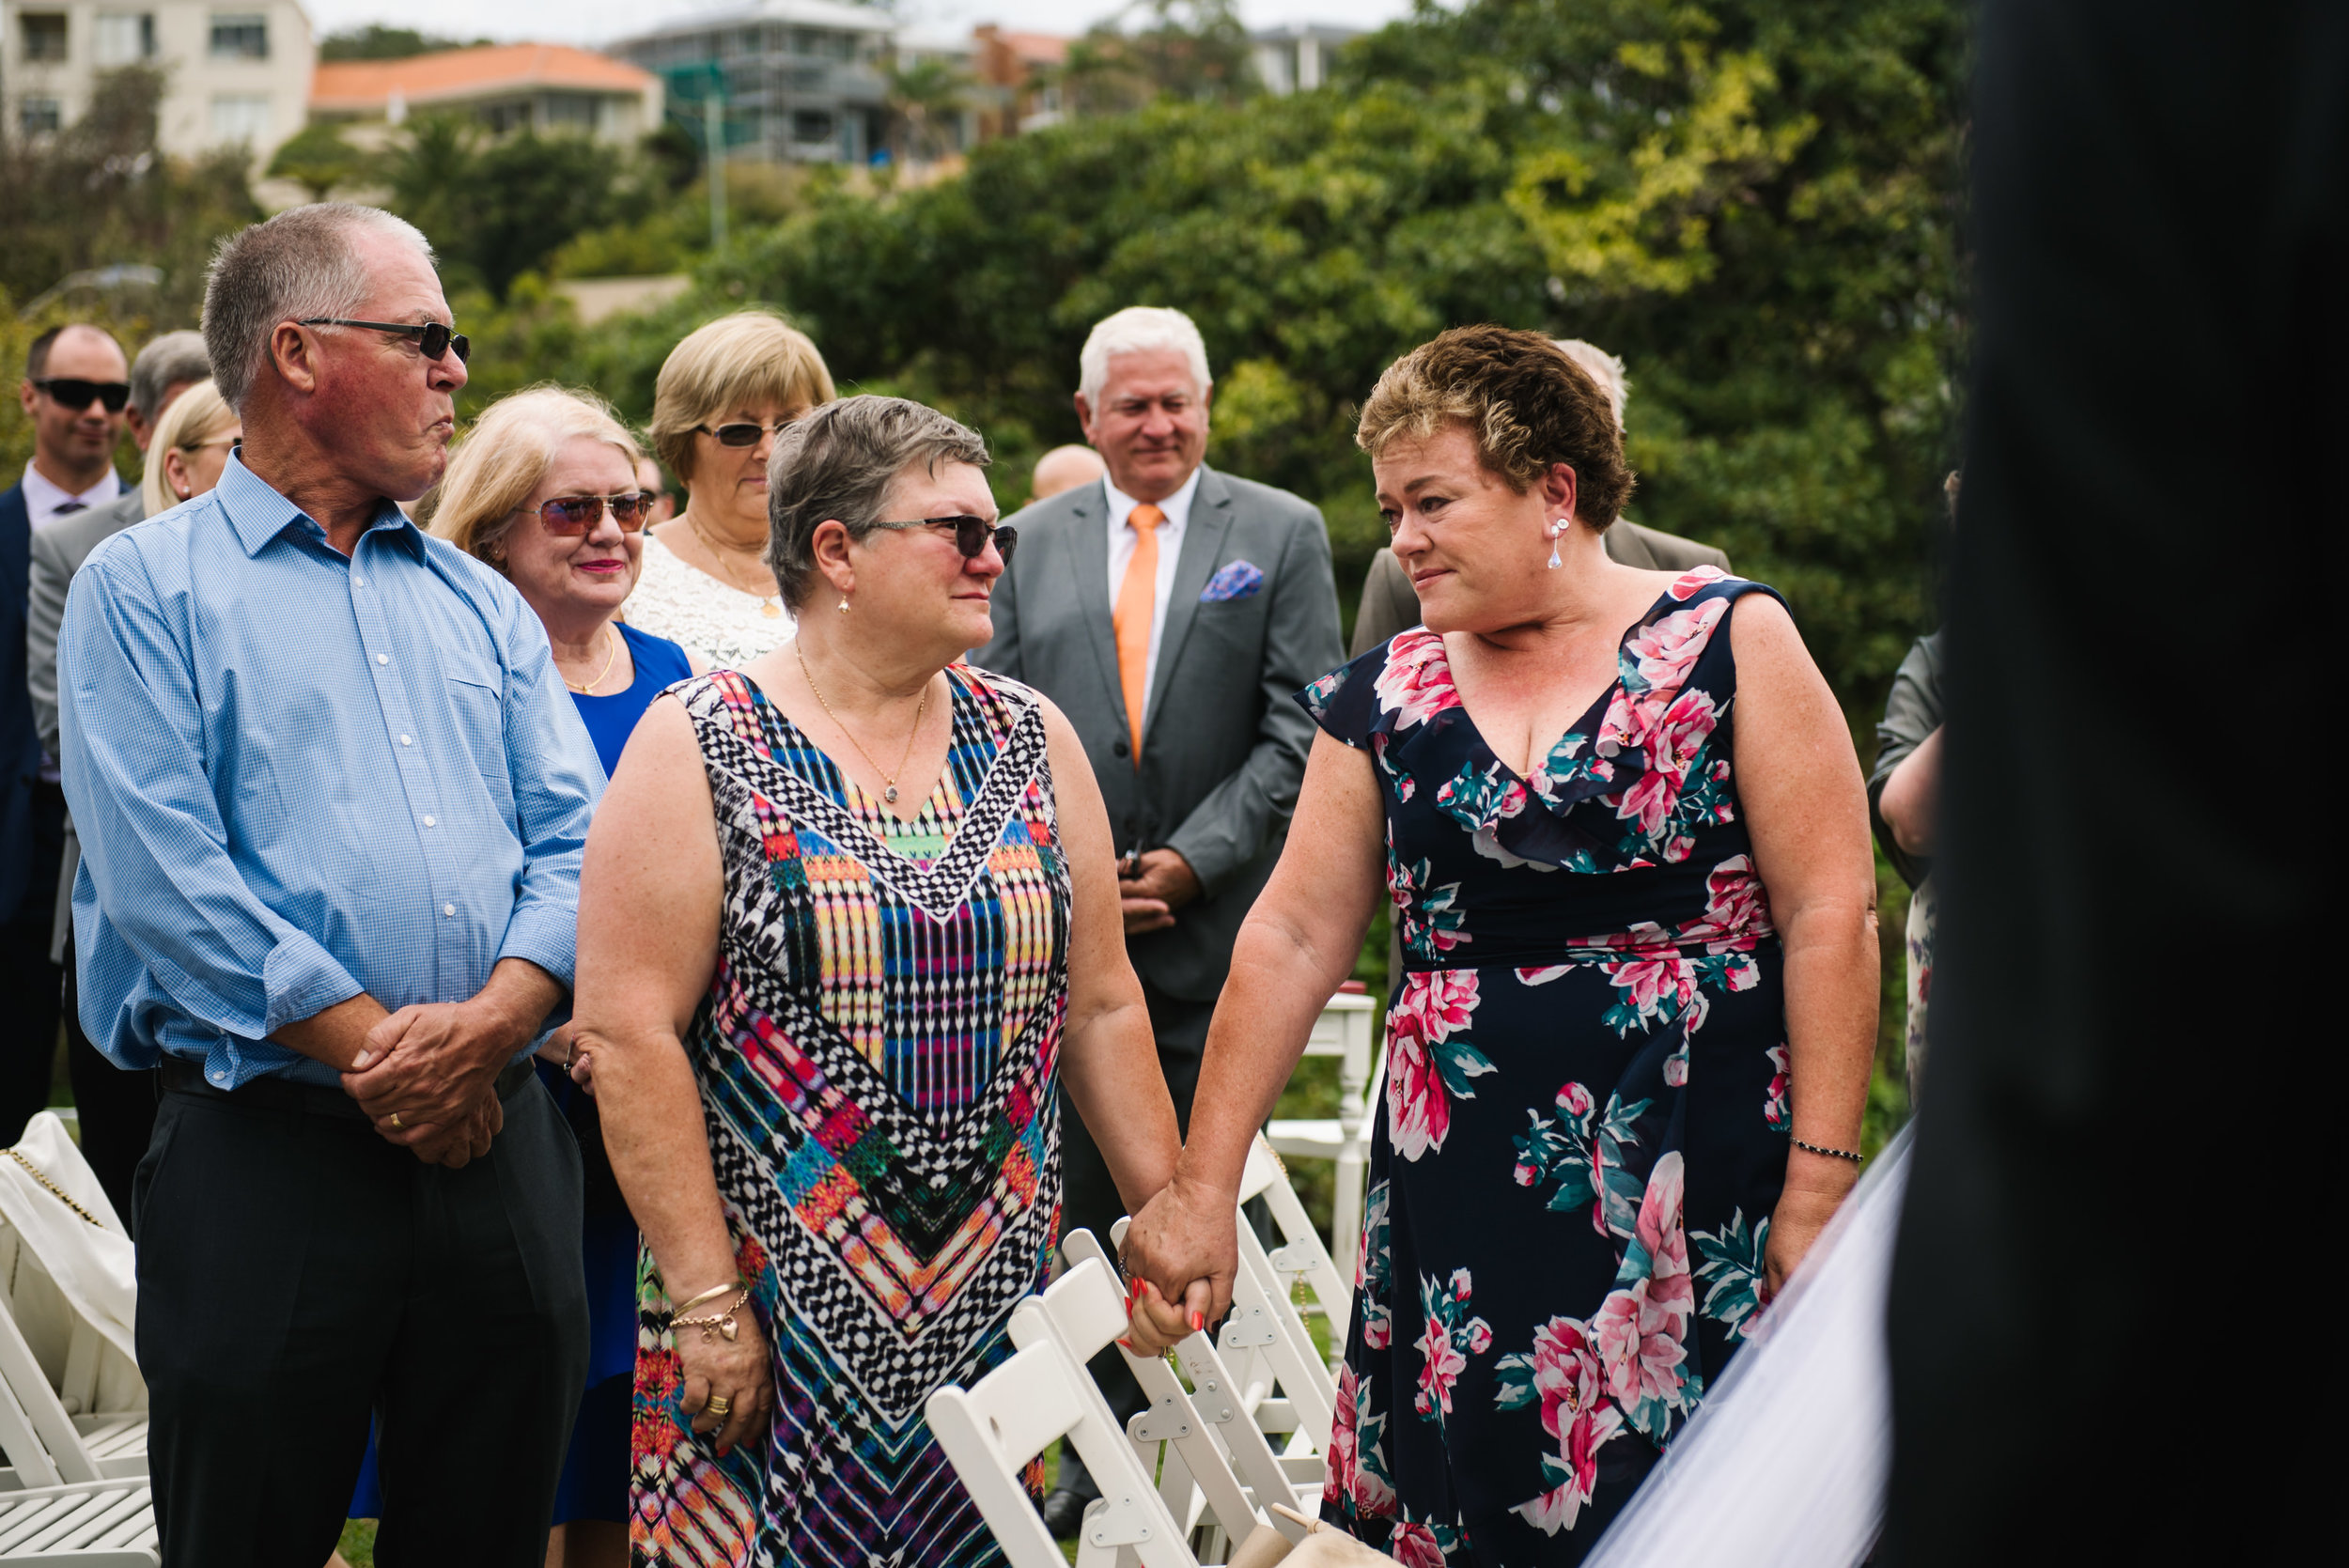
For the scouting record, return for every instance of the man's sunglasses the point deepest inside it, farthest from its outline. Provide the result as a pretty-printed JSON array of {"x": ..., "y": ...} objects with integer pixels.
[
  {"x": 744, "y": 433},
  {"x": 434, "y": 337},
  {"x": 972, "y": 535},
  {"x": 68, "y": 392},
  {"x": 568, "y": 516}
]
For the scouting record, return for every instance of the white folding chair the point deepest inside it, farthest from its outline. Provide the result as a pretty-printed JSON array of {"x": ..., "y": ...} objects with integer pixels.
[
  {"x": 993, "y": 1429},
  {"x": 1210, "y": 1429},
  {"x": 1348, "y": 1029},
  {"x": 107, "y": 1523},
  {"x": 1300, "y": 1255}
]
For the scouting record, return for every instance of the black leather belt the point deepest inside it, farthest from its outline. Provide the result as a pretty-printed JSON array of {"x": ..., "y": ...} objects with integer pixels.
[{"x": 182, "y": 1076}]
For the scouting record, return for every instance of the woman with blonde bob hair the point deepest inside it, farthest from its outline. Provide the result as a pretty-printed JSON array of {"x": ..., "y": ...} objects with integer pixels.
[
  {"x": 722, "y": 394},
  {"x": 189, "y": 448},
  {"x": 544, "y": 488},
  {"x": 1628, "y": 1053}
]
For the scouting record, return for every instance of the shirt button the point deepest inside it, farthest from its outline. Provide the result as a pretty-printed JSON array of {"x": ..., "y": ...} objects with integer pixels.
[
  {"x": 448, "y": 908},
  {"x": 358, "y": 582},
  {"x": 383, "y": 658},
  {"x": 220, "y": 1075},
  {"x": 405, "y": 741},
  {"x": 431, "y": 821}
]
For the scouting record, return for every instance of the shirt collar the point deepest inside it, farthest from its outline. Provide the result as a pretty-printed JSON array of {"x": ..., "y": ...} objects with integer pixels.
[
  {"x": 258, "y": 514},
  {"x": 42, "y": 498},
  {"x": 1175, "y": 506}
]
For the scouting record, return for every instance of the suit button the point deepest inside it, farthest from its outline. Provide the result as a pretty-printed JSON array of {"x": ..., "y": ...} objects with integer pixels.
[{"x": 1119, "y": 749}]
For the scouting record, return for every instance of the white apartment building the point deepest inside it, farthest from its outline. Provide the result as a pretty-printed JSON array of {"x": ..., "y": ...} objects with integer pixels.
[{"x": 237, "y": 72}]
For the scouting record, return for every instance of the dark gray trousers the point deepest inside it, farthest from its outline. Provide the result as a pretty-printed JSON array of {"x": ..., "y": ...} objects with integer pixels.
[{"x": 299, "y": 1277}]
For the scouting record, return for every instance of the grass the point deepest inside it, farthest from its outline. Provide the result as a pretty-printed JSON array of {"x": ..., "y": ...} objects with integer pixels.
[{"x": 358, "y": 1548}]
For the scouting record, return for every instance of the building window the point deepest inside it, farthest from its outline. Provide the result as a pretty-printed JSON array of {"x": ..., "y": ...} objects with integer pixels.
[
  {"x": 240, "y": 35},
  {"x": 570, "y": 112},
  {"x": 810, "y": 126},
  {"x": 502, "y": 117},
  {"x": 44, "y": 38},
  {"x": 124, "y": 39},
  {"x": 38, "y": 117},
  {"x": 241, "y": 118}
]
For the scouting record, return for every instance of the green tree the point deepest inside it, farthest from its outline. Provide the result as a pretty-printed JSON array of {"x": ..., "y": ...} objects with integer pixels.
[
  {"x": 1194, "y": 50},
  {"x": 376, "y": 42},
  {"x": 318, "y": 159},
  {"x": 497, "y": 208}
]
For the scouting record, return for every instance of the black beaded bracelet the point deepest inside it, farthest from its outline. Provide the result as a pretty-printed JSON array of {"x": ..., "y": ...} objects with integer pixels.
[{"x": 1831, "y": 1154}]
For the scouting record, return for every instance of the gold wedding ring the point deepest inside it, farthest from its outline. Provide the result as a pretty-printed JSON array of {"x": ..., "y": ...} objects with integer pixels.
[
  {"x": 395, "y": 1120},
  {"x": 717, "y": 1405}
]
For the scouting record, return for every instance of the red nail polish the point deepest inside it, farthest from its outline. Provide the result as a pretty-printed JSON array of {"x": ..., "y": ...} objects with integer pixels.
[{"x": 1198, "y": 1322}]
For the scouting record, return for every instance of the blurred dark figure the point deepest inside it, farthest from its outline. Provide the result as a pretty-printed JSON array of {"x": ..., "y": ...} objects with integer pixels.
[{"x": 2133, "y": 861}]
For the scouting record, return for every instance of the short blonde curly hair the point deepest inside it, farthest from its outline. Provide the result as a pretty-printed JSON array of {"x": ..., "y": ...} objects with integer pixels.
[
  {"x": 1527, "y": 404},
  {"x": 752, "y": 356}
]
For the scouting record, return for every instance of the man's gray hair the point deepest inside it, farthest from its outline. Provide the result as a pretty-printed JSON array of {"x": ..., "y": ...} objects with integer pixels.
[
  {"x": 1602, "y": 367},
  {"x": 169, "y": 360},
  {"x": 1139, "y": 328},
  {"x": 838, "y": 464},
  {"x": 298, "y": 265}
]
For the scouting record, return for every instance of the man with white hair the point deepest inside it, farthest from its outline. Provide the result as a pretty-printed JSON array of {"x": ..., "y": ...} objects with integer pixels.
[
  {"x": 1390, "y": 604},
  {"x": 332, "y": 797},
  {"x": 1174, "y": 612}
]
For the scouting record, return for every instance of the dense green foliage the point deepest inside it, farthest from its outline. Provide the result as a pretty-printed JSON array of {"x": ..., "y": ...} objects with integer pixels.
[{"x": 376, "y": 42}]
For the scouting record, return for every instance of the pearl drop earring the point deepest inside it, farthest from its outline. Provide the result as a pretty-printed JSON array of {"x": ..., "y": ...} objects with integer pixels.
[
  {"x": 843, "y": 604},
  {"x": 1555, "y": 530}
]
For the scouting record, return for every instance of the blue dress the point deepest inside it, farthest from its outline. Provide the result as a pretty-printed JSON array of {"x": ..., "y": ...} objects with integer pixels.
[
  {"x": 594, "y": 1471},
  {"x": 1586, "y": 1119}
]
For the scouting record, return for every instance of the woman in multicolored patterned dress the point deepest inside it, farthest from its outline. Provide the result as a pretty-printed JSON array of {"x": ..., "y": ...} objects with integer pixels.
[
  {"x": 1621, "y": 823},
  {"x": 848, "y": 921}
]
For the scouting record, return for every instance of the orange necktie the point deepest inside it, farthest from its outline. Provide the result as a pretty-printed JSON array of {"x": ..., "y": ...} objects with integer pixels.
[{"x": 1137, "y": 601}]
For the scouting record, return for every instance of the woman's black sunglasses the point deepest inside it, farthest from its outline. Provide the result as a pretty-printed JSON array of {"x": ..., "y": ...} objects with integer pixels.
[
  {"x": 972, "y": 535},
  {"x": 434, "y": 337},
  {"x": 68, "y": 392},
  {"x": 744, "y": 433}
]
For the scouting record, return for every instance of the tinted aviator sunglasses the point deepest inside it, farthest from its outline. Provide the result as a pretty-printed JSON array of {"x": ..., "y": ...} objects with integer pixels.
[
  {"x": 434, "y": 337},
  {"x": 69, "y": 393},
  {"x": 972, "y": 535},
  {"x": 568, "y": 516}
]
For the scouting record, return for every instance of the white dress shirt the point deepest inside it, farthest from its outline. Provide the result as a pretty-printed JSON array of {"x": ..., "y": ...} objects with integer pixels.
[
  {"x": 1124, "y": 537},
  {"x": 48, "y": 501}
]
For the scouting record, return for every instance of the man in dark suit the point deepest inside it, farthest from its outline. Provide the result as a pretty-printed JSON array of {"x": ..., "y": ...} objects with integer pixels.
[
  {"x": 117, "y": 1107},
  {"x": 76, "y": 384},
  {"x": 1173, "y": 613},
  {"x": 1391, "y": 604}
]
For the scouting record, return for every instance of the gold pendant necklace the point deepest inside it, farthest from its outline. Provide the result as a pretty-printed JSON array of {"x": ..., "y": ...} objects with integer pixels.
[
  {"x": 609, "y": 660},
  {"x": 889, "y": 781},
  {"x": 770, "y": 605}
]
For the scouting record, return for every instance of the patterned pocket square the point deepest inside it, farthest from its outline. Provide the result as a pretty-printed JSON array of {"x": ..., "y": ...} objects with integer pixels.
[{"x": 1237, "y": 580}]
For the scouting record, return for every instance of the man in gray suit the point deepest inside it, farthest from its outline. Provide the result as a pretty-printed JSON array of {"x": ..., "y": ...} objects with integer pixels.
[
  {"x": 1173, "y": 613},
  {"x": 117, "y": 1107},
  {"x": 1391, "y": 604}
]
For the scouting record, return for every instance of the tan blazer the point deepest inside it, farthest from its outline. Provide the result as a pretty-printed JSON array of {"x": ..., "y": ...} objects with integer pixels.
[{"x": 1390, "y": 605}]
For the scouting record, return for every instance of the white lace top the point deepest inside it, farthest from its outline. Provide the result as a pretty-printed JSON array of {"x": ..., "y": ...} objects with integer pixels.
[{"x": 726, "y": 627}]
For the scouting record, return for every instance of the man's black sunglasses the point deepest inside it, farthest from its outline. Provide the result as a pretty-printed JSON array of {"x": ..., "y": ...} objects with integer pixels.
[
  {"x": 972, "y": 535},
  {"x": 435, "y": 338},
  {"x": 68, "y": 392}
]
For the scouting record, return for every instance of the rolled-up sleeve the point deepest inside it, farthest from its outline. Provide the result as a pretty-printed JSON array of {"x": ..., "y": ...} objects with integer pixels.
[
  {"x": 153, "y": 841},
  {"x": 557, "y": 782}
]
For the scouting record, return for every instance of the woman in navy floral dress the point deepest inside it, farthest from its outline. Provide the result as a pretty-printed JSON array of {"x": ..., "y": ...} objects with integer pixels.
[{"x": 1623, "y": 830}]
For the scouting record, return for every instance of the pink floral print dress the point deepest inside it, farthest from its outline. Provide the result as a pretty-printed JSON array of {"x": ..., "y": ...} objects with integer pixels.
[{"x": 1586, "y": 1114}]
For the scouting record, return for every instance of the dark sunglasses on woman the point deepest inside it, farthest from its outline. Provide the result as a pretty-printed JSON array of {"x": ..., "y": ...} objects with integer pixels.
[
  {"x": 972, "y": 535},
  {"x": 68, "y": 392},
  {"x": 743, "y": 433},
  {"x": 570, "y": 516},
  {"x": 434, "y": 337}
]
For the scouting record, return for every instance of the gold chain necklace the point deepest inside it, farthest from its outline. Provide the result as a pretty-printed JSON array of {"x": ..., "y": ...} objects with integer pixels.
[
  {"x": 589, "y": 690},
  {"x": 770, "y": 605},
  {"x": 889, "y": 781}
]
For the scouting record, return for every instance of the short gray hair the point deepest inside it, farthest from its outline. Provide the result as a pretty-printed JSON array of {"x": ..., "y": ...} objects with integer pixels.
[
  {"x": 1135, "y": 330},
  {"x": 1602, "y": 367},
  {"x": 169, "y": 360},
  {"x": 297, "y": 265},
  {"x": 837, "y": 464}
]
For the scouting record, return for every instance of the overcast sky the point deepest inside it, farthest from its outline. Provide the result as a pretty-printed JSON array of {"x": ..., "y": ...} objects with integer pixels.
[{"x": 594, "y": 21}]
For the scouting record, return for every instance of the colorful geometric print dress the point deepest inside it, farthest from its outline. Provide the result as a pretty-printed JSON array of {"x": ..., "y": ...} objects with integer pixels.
[
  {"x": 878, "y": 1060},
  {"x": 1586, "y": 1098}
]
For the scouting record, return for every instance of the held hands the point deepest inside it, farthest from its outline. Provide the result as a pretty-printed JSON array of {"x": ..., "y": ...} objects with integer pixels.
[
  {"x": 1151, "y": 886},
  {"x": 1184, "y": 1246},
  {"x": 427, "y": 1078}
]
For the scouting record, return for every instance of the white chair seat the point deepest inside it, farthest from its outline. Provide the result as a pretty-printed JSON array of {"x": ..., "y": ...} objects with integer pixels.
[
  {"x": 116, "y": 1443},
  {"x": 98, "y": 1524}
]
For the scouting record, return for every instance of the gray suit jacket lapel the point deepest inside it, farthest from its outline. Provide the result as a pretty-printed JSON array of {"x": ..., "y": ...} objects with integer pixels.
[
  {"x": 1203, "y": 547},
  {"x": 1088, "y": 558}
]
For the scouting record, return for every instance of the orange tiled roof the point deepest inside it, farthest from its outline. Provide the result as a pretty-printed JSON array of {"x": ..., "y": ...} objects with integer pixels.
[
  {"x": 469, "y": 73},
  {"x": 1037, "y": 49}
]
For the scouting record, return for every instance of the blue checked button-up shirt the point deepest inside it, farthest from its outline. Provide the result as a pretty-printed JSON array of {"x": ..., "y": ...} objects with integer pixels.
[{"x": 298, "y": 777}]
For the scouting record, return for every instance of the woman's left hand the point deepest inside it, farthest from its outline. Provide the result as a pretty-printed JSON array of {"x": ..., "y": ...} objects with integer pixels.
[{"x": 1803, "y": 1210}]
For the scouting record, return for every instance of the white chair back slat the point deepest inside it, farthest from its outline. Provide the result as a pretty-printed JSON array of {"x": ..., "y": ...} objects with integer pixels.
[
  {"x": 52, "y": 1427},
  {"x": 1258, "y": 1297}
]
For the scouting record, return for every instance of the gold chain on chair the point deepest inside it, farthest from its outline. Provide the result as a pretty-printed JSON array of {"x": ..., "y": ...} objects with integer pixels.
[{"x": 18, "y": 1156}]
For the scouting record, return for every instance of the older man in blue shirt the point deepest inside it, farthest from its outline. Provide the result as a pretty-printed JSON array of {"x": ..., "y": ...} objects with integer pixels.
[{"x": 332, "y": 797}]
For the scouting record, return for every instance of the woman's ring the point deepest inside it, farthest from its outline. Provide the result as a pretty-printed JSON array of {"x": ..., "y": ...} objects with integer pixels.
[
  {"x": 717, "y": 1405},
  {"x": 395, "y": 1120}
]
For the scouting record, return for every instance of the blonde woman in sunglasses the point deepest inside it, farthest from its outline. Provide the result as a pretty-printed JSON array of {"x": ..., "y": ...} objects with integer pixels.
[{"x": 722, "y": 394}]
